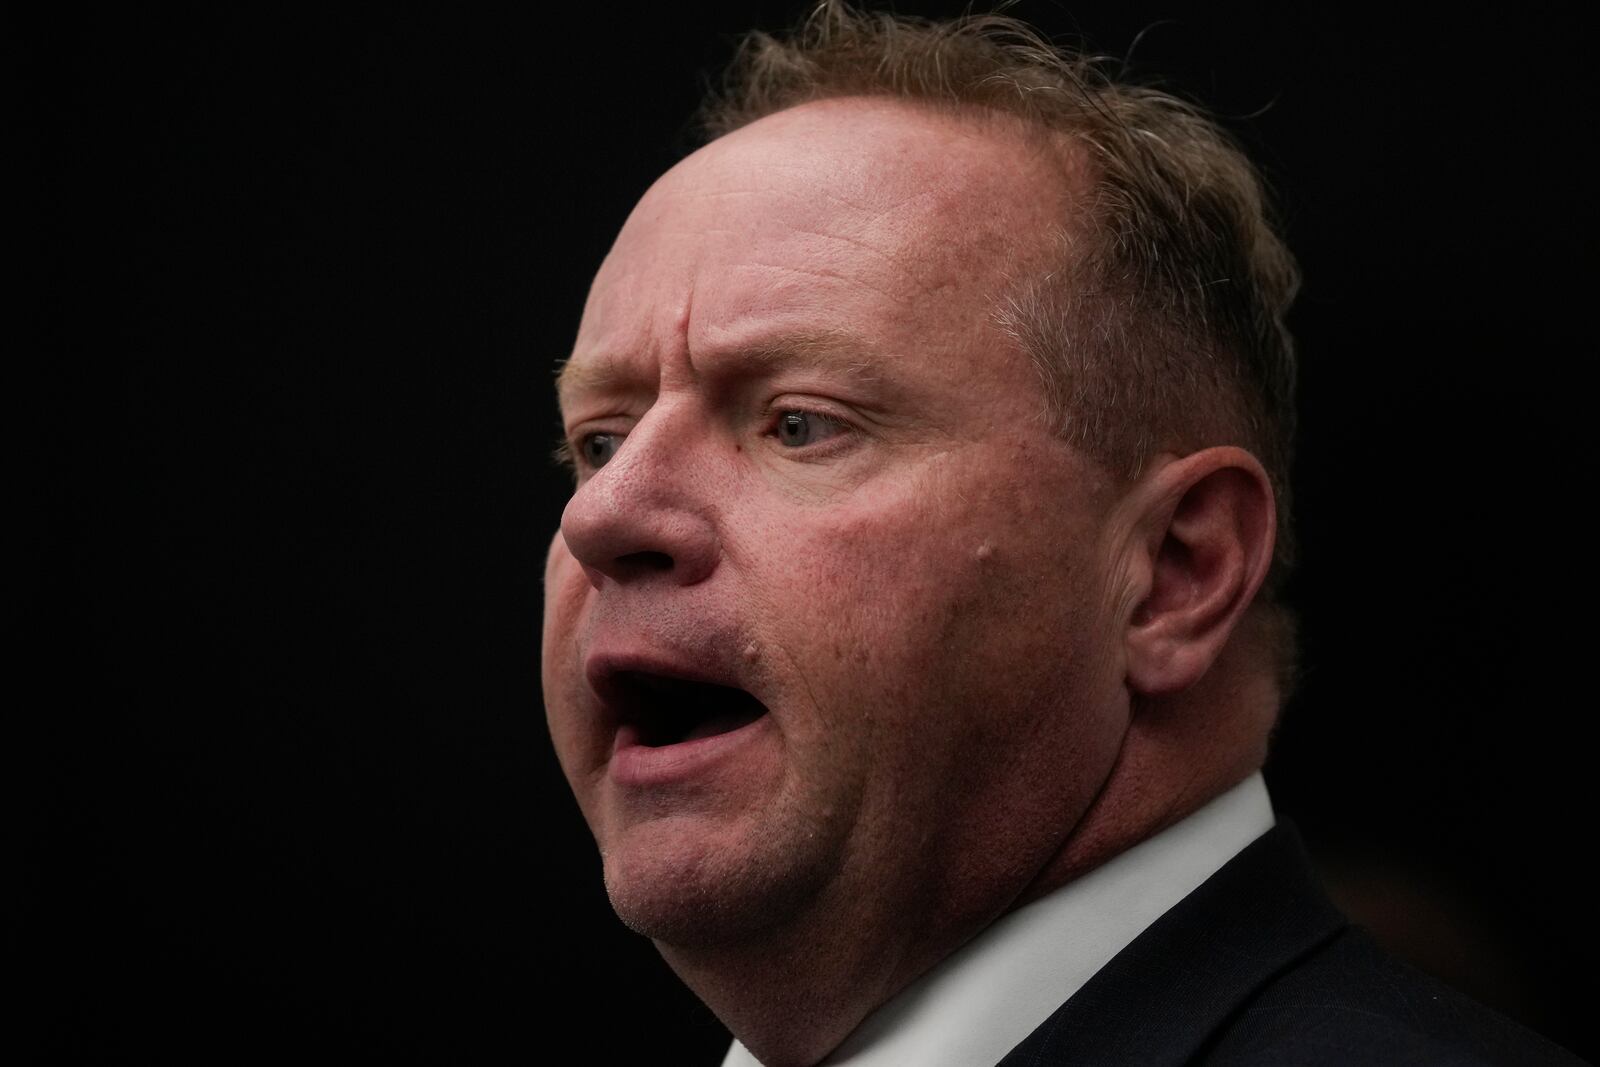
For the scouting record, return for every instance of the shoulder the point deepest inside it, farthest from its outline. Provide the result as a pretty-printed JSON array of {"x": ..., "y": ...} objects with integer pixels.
[
  {"x": 1256, "y": 967},
  {"x": 1348, "y": 1002}
]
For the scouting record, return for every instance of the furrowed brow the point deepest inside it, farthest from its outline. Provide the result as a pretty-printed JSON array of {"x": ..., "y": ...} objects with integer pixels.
[
  {"x": 835, "y": 350},
  {"x": 590, "y": 376}
]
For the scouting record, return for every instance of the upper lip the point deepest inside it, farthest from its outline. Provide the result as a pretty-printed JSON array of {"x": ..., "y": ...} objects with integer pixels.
[{"x": 602, "y": 669}]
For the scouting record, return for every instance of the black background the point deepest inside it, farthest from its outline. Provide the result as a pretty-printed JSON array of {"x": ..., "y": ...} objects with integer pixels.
[{"x": 302, "y": 282}]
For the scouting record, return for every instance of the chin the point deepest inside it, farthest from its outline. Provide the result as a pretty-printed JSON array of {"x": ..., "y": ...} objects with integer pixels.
[{"x": 709, "y": 896}]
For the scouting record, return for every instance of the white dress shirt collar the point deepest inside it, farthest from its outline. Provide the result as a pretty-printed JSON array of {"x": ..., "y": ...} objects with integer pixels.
[{"x": 990, "y": 994}]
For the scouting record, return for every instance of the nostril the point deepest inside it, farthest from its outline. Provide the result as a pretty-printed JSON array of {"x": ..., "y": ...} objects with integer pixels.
[{"x": 648, "y": 561}]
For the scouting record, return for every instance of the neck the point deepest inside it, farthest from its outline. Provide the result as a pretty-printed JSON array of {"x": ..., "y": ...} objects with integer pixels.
[
  {"x": 793, "y": 994},
  {"x": 1179, "y": 754}
]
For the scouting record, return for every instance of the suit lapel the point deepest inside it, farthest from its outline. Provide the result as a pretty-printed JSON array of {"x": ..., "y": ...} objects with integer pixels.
[{"x": 1160, "y": 999}]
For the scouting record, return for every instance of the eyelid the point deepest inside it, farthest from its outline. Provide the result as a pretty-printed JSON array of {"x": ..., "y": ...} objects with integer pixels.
[
  {"x": 810, "y": 405},
  {"x": 842, "y": 427},
  {"x": 822, "y": 416},
  {"x": 569, "y": 450}
]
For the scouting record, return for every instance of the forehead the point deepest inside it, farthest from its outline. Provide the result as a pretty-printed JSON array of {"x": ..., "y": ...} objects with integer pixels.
[{"x": 870, "y": 218}]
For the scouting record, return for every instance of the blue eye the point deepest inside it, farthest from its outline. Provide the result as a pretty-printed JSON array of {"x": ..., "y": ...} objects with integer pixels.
[
  {"x": 796, "y": 429},
  {"x": 598, "y": 448}
]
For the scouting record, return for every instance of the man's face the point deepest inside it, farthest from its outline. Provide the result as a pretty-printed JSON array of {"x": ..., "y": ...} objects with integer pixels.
[{"x": 825, "y": 624}]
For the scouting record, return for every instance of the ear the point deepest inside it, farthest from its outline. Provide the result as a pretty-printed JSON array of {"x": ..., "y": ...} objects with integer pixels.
[{"x": 1206, "y": 524}]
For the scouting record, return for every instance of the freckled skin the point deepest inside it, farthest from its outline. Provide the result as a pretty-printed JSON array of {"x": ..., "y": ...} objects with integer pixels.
[{"x": 920, "y": 602}]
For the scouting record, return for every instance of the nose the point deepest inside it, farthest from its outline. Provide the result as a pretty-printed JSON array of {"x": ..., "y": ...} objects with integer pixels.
[{"x": 646, "y": 513}]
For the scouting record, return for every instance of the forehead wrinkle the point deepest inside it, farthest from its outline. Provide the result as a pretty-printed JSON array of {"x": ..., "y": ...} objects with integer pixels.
[
  {"x": 893, "y": 260},
  {"x": 834, "y": 275}
]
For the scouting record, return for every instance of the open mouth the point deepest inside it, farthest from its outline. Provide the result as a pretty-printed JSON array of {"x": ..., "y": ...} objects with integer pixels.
[{"x": 669, "y": 711}]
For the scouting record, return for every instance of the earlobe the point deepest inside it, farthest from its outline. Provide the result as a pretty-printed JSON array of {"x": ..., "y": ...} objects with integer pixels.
[{"x": 1208, "y": 526}]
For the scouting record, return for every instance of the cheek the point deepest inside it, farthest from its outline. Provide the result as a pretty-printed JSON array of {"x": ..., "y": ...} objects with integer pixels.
[
  {"x": 953, "y": 583},
  {"x": 948, "y": 634},
  {"x": 566, "y": 590},
  {"x": 881, "y": 582}
]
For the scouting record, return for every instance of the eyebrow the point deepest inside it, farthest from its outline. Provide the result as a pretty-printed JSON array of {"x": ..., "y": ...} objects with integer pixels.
[{"x": 833, "y": 349}]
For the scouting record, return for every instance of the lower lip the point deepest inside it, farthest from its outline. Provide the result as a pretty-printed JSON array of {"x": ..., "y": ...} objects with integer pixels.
[{"x": 637, "y": 765}]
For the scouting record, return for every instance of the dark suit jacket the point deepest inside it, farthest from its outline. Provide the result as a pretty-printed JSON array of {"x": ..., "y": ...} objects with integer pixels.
[{"x": 1257, "y": 967}]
